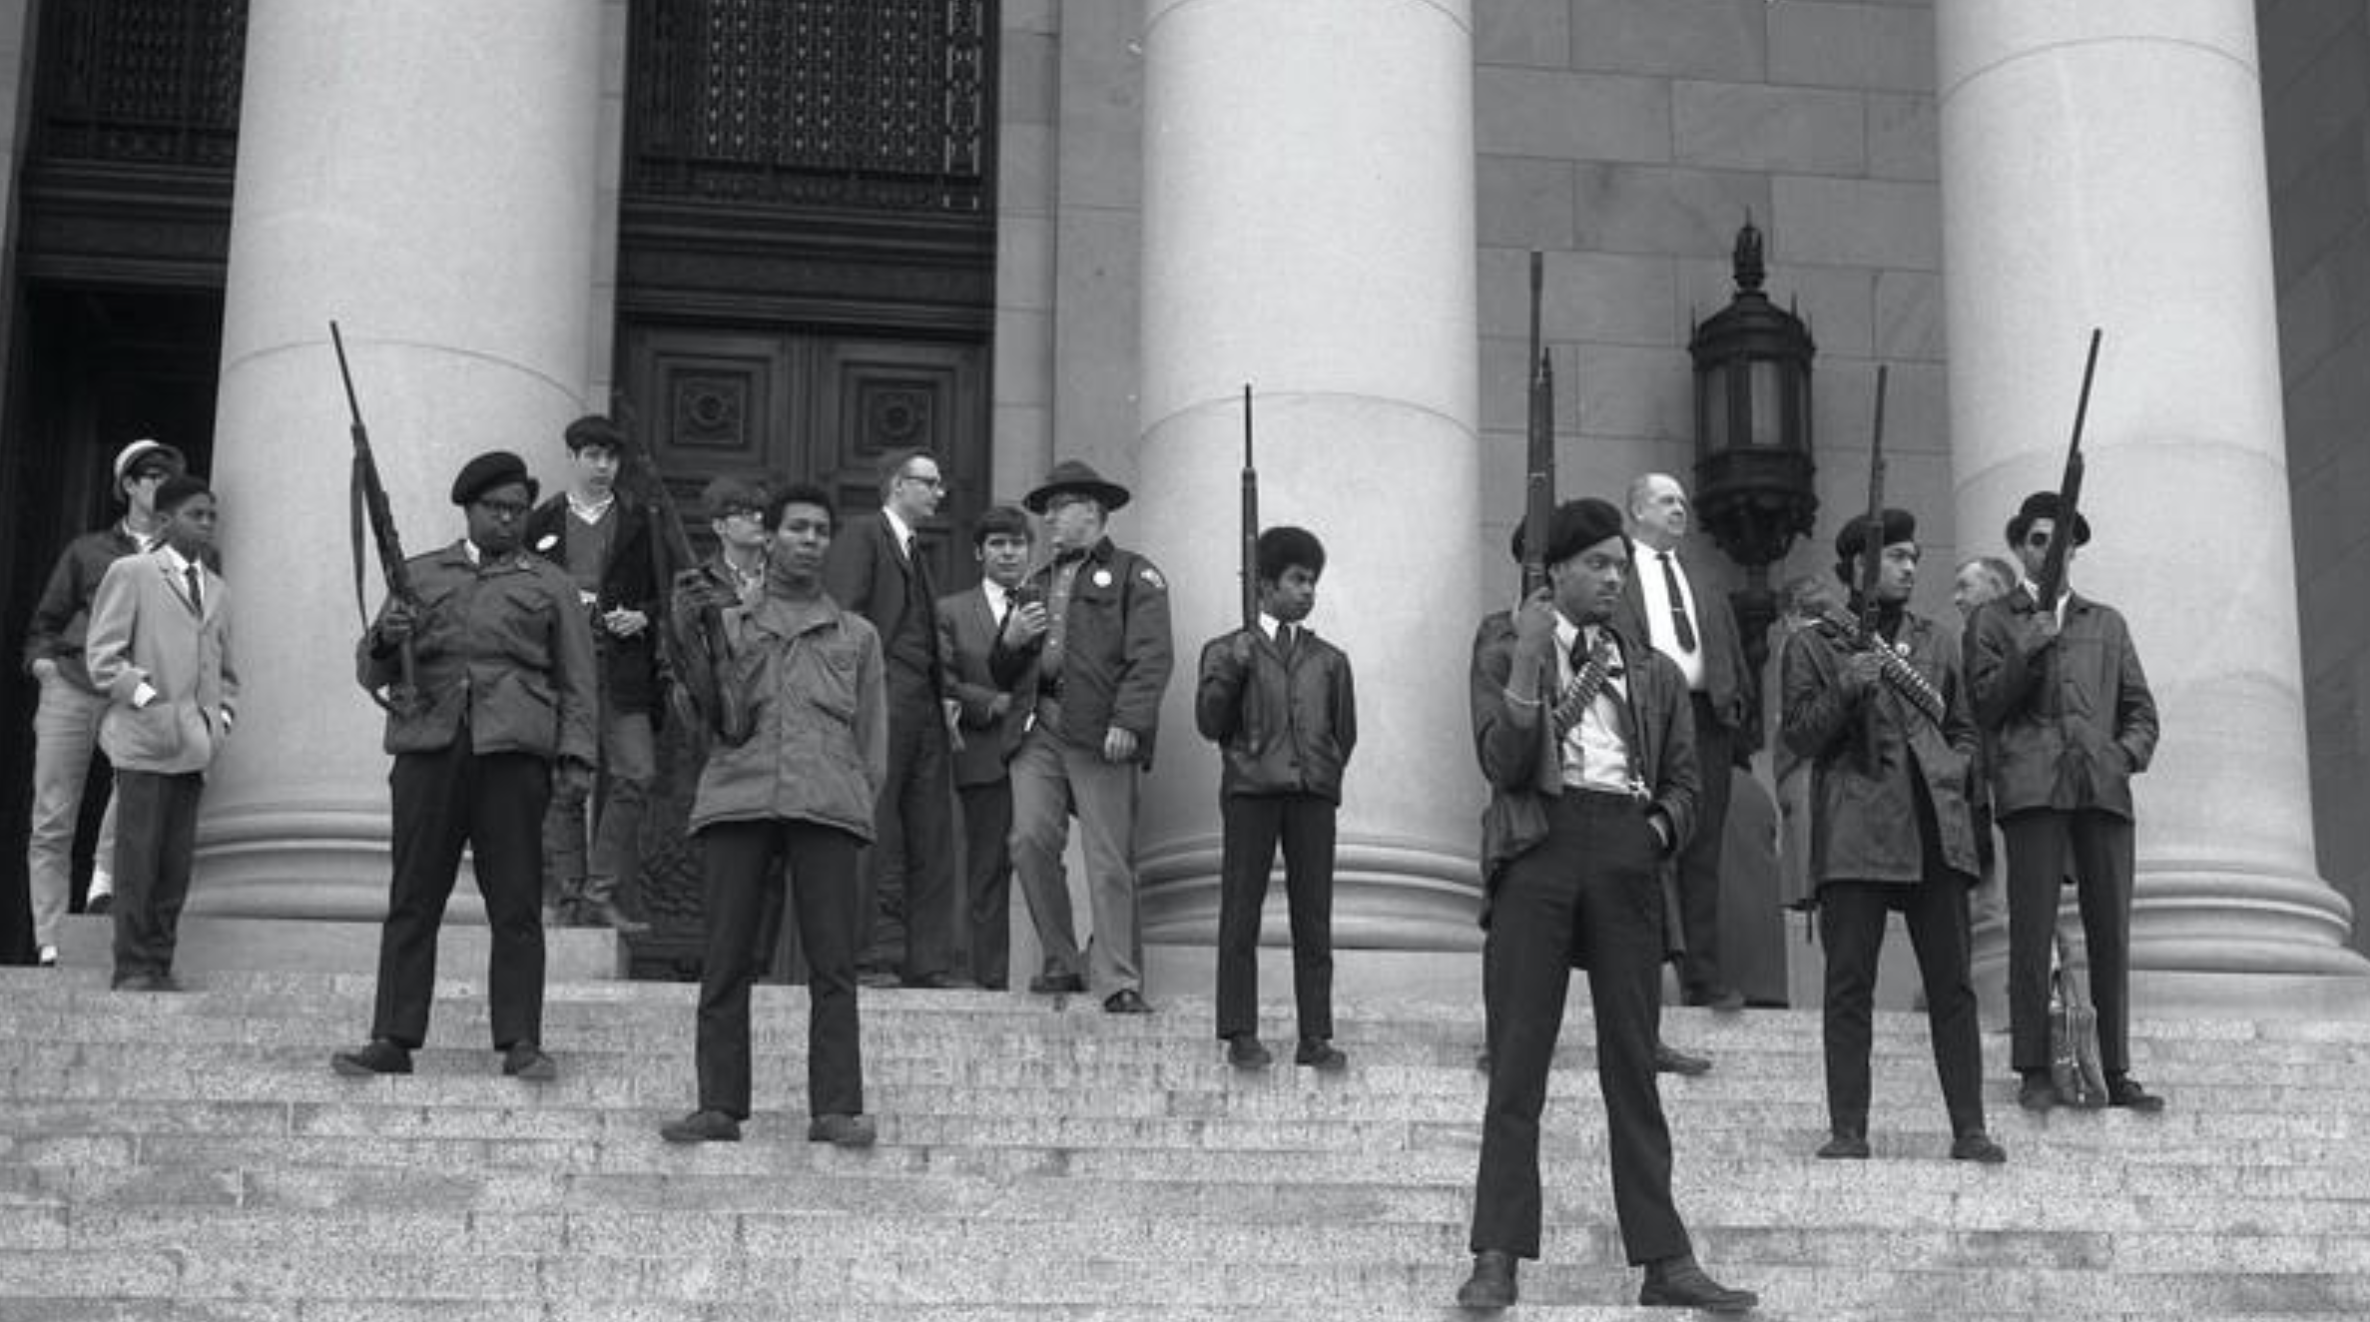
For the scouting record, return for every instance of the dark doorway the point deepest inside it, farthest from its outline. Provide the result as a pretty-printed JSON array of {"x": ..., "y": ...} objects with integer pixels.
[{"x": 97, "y": 367}]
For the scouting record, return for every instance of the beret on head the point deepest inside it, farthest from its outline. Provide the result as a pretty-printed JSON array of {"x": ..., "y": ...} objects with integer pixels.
[
  {"x": 1852, "y": 542},
  {"x": 1575, "y": 526},
  {"x": 593, "y": 429},
  {"x": 2043, "y": 505},
  {"x": 179, "y": 490},
  {"x": 1003, "y": 520},
  {"x": 494, "y": 468}
]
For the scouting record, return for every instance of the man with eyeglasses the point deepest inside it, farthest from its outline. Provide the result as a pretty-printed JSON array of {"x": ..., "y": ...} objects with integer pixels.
[
  {"x": 501, "y": 705},
  {"x": 878, "y": 568},
  {"x": 2070, "y": 721},
  {"x": 66, "y": 724}
]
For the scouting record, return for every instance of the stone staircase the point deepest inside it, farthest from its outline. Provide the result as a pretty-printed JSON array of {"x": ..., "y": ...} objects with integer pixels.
[{"x": 192, "y": 1157}]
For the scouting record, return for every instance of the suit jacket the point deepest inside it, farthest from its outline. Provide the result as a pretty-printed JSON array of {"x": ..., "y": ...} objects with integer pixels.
[
  {"x": 865, "y": 571},
  {"x": 629, "y": 581},
  {"x": 966, "y": 637},
  {"x": 142, "y": 631},
  {"x": 1728, "y": 682}
]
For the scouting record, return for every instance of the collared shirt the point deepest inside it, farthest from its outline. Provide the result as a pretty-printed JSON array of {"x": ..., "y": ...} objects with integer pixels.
[
  {"x": 900, "y": 531},
  {"x": 999, "y": 598},
  {"x": 1057, "y": 606},
  {"x": 1273, "y": 628},
  {"x": 1595, "y": 752},
  {"x": 2033, "y": 590},
  {"x": 181, "y": 565},
  {"x": 1654, "y": 592}
]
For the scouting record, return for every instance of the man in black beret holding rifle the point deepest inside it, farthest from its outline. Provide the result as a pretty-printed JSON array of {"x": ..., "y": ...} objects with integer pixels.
[{"x": 1587, "y": 742}]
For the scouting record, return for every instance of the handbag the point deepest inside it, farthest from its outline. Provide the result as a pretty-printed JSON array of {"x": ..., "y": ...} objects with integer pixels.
[{"x": 2074, "y": 1067}]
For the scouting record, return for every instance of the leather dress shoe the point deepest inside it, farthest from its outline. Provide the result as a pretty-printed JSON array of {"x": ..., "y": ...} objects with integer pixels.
[
  {"x": 607, "y": 914},
  {"x": 702, "y": 1127},
  {"x": 878, "y": 979},
  {"x": 841, "y": 1131},
  {"x": 940, "y": 982},
  {"x": 525, "y": 1060},
  {"x": 1717, "y": 998},
  {"x": 1054, "y": 984},
  {"x": 1844, "y": 1147},
  {"x": 1669, "y": 1060},
  {"x": 1244, "y": 1051},
  {"x": 100, "y": 905},
  {"x": 145, "y": 982},
  {"x": 2126, "y": 1092},
  {"x": 1321, "y": 1055},
  {"x": 1679, "y": 1283},
  {"x": 1491, "y": 1286},
  {"x": 1977, "y": 1146},
  {"x": 380, "y": 1057},
  {"x": 1127, "y": 1000},
  {"x": 2036, "y": 1093}
]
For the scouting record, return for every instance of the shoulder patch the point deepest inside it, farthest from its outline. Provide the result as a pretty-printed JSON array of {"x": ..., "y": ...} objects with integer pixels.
[{"x": 1152, "y": 576}]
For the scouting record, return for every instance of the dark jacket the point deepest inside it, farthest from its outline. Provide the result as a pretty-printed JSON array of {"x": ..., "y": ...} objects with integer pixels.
[
  {"x": 966, "y": 636},
  {"x": 1523, "y": 767},
  {"x": 1282, "y": 728},
  {"x": 1118, "y": 653},
  {"x": 503, "y": 650},
  {"x": 1864, "y": 818},
  {"x": 865, "y": 572},
  {"x": 1728, "y": 682},
  {"x": 628, "y": 582},
  {"x": 61, "y": 620},
  {"x": 2070, "y": 722},
  {"x": 821, "y": 747}
]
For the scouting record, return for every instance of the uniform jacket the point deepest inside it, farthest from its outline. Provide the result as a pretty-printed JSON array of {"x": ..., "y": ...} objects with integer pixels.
[
  {"x": 629, "y": 582},
  {"x": 966, "y": 636},
  {"x": 1524, "y": 769},
  {"x": 2070, "y": 723},
  {"x": 821, "y": 748},
  {"x": 1727, "y": 680},
  {"x": 502, "y": 651},
  {"x": 142, "y": 631},
  {"x": 866, "y": 572},
  {"x": 1281, "y": 728},
  {"x": 1118, "y": 652},
  {"x": 1864, "y": 818},
  {"x": 62, "y": 618}
]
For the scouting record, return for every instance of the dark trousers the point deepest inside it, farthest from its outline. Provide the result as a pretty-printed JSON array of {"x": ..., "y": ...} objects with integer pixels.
[
  {"x": 745, "y": 863},
  {"x": 495, "y": 805},
  {"x": 2041, "y": 842},
  {"x": 909, "y": 878},
  {"x": 1699, "y": 863},
  {"x": 1588, "y": 892},
  {"x": 155, "y": 839},
  {"x": 1253, "y": 824},
  {"x": 1851, "y": 927},
  {"x": 987, "y": 861}
]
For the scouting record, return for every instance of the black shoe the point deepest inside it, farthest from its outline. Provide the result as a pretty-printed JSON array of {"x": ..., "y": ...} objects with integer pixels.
[
  {"x": 1668, "y": 1060},
  {"x": 1491, "y": 1286},
  {"x": 1244, "y": 1051},
  {"x": 1845, "y": 1147},
  {"x": 1679, "y": 1283},
  {"x": 702, "y": 1127},
  {"x": 2036, "y": 1093},
  {"x": 380, "y": 1057},
  {"x": 940, "y": 982},
  {"x": 1724, "y": 999},
  {"x": 525, "y": 1060},
  {"x": 1054, "y": 984},
  {"x": 100, "y": 905},
  {"x": 1127, "y": 1000},
  {"x": 1976, "y": 1146},
  {"x": 841, "y": 1131},
  {"x": 607, "y": 914},
  {"x": 144, "y": 982},
  {"x": 1319, "y": 1054},
  {"x": 878, "y": 978},
  {"x": 2126, "y": 1092}
]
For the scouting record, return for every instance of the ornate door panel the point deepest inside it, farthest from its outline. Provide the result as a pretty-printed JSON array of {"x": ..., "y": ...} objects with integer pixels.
[{"x": 877, "y": 397}]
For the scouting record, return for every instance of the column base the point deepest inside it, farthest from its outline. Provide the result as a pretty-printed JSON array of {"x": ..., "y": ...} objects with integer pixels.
[
  {"x": 214, "y": 945},
  {"x": 1388, "y": 894}
]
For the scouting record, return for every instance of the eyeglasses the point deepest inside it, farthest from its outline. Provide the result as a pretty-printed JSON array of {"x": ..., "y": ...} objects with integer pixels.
[
  {"x": 932, "y": 481},
  {"x": 727, "y": 516},
  {"x": 505, "y": 510}
]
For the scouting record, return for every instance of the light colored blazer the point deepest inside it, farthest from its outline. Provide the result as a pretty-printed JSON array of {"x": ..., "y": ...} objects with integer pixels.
[{"x": 143, "y": 632}]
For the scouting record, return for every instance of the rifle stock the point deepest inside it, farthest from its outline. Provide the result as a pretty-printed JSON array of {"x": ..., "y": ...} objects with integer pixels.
[
  {"x": 2051, "y": 581},
  {"x": 1538, "y": 509},
  {"x": 367, "y": 504},
  {"x": 1250, "y": 530}
]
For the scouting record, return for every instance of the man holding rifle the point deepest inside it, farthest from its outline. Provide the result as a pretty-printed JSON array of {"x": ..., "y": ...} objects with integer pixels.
[{"x": 2058, "y": 688}]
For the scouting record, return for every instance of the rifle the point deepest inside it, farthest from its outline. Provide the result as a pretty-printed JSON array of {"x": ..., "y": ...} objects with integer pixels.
[
  {"x": 367, "y": 493},
  {"x": 1861, "y": 632},
  {"x": 718, "y": 707},
  {"x": 1538, "y": 509},
  {"x": 1872, "y": 548},
  {"x": 1250, "y": 522},
  {"x": 2051, "y": 581}
]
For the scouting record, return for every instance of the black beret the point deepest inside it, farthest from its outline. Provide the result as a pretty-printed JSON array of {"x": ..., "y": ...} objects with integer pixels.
[
  {"x": 494, "y": 468},
  {"x": 593, "y": 429},
  {"x": 1005, "y": 520},
  {"x": 1284, "y": 546},
  {"x": 1852, "y": 542},
  {"x": 2043, "y": 505},
  {"x": 1575, "y": 526}
]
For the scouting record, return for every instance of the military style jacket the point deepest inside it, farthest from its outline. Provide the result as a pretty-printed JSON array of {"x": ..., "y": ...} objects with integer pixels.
[
  {"x": 2072, "y": 721},
  {"x": 1117, "y": 651},
  {"x": 820, "y": 750}
]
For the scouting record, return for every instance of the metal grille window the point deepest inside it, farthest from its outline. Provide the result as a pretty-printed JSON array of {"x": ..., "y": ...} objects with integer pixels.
[
  {"x": 141, "y": 82},
  {"x": 875, "y": 105}
]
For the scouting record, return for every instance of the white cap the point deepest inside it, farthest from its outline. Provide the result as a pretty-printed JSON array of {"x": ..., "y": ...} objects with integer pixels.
[{"x": 139, "y": 449}]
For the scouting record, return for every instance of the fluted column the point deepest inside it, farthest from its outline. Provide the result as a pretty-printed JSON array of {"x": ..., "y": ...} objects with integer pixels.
[
  {"x": 2103, "y": 166},
  {"x": 425, "y": 173},
  {"x": 1308, "y": 229}
]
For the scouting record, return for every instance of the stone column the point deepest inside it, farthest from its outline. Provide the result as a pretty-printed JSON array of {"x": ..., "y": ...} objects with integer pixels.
[
  {"x": 426, "y": 174},
  {"x": 2103, "y": 166},
  {"x": 1318, "y": 245}
]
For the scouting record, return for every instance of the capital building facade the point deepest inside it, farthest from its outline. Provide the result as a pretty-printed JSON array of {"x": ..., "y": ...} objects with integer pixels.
[{"x": 790, "y": 236}]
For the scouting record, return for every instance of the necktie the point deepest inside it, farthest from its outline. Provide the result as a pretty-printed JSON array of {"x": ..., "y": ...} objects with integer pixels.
[
  {"x": 197, "y": 599},
  {"x": 921, "y": 570},
  {"x": 1286, "y": 637},
  {"x": 1678, "y": 595}
]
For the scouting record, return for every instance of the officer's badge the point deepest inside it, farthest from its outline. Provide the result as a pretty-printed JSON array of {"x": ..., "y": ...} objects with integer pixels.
[
  {"x": 1102, "y": 578},
  {"x": 1152, "y": 576}
]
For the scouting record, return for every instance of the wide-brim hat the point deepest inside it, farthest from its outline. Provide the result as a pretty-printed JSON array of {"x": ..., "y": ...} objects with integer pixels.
[
  {"x": 130, "y": 456},
  {"x": 2043, "y": 505},
  {"x": 494, "y": 468},
  {"x": 1073, "y": 475}
]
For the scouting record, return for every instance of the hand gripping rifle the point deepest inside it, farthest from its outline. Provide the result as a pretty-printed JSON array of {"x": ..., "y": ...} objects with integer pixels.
[
  {"x": 2051, "y": 581},
  {"x": 699, "y": 663},
  {"x": 1538, "y": 495},
  {"x": 368, "y": 503},
  {"x": 1861, "y": 632},
  {"x": 1250, "y": 522}
]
